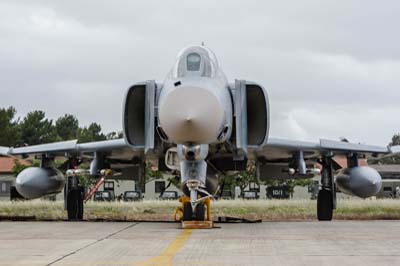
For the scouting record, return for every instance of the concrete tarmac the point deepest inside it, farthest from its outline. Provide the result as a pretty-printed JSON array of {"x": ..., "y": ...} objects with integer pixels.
[{"x": 163, "y": 244}]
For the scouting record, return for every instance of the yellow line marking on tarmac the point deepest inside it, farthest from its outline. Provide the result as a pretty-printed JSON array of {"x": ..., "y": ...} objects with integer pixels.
[{"x": 166, "y": 257}]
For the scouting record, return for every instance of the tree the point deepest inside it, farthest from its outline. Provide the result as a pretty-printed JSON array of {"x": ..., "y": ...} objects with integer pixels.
[
  {"x": 67, "y": 127},
  {"x": 244, "y": 178},
  {"x": 9, "y": 133},
  {"x": 19, "y": 167},
  {"x": 152, "y": 173},
  {"x": 395, "y": 140},
  {"x": 91, "y": 133},
  {"x": 241, "y": 179},
  {"x": 36, "y": 129},
  {"x": 115, "y": 135}
]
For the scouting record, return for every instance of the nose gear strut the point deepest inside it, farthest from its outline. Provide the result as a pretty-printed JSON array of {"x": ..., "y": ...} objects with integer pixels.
[{"x": 193, "y": 170}]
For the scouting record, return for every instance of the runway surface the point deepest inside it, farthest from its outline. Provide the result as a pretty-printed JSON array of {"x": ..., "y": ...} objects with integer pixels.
[{"x": 152, "y": 244}]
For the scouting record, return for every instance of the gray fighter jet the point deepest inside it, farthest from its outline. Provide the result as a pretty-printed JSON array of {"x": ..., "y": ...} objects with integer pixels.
[{"x": 200, "y": 125}]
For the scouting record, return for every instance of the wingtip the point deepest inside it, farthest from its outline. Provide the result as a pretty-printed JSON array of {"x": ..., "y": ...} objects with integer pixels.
[
  {"x": 395, "y": 149},
  {"x": 4, "y": 150}
]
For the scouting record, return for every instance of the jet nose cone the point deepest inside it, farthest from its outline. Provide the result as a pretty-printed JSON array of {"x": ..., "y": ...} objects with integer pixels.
[{"x": 191, "y": 114}]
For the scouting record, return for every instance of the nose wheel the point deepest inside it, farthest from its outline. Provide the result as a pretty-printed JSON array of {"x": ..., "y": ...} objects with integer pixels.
[
  {"x": 197, "y": 215},
  {"x": 187, "y": 214},
  {"x": 197, "y": 218}
]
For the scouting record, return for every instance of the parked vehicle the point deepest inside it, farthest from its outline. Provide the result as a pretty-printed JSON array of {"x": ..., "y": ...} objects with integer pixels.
[
  {"x": 227, "y": 195},
  {"x": 132, "y": 196},
  {"x": 250, "y": 195},
  {"x": 104, "y": 196},
  {"x": 169, "y": 195}
]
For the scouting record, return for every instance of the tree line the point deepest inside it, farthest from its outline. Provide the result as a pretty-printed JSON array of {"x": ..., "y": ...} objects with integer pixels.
[{"x": 35, "y": 129}]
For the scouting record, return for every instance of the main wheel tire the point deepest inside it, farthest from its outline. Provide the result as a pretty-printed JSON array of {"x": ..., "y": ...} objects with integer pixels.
[
  {"x": 75, "y": 204},
  {"x": 325, "y": 205},
  {"x": 187, "y": 212},
  {"x": 200, "y": 212}
]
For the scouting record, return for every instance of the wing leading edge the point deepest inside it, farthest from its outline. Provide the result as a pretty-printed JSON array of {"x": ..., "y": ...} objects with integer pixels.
[
  {"x": 117, "y": 147},
  {"x": 277, "y": 148}
]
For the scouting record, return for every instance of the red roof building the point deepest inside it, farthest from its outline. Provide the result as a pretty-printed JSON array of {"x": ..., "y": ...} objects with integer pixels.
[{"x": 7, "y": 164}]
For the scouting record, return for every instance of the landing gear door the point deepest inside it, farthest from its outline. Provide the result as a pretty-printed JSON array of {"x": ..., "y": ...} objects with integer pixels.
[
  {"x": 240, "y": 98},
  {"x": 149, "y": 115}
]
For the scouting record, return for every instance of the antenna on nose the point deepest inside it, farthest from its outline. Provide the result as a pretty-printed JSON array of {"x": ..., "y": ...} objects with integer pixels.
[{"x": 202, "y": 43}]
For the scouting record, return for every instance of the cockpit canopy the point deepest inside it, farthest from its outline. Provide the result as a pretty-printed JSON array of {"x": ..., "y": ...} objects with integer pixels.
[{"x": 195, "y": 61}]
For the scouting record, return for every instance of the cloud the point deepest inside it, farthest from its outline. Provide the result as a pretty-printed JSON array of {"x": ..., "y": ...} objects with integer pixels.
[{"x": 331, "y": 68}]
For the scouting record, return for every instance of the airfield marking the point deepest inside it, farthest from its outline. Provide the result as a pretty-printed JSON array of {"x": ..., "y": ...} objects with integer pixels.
[
  {"x": 166, "y": 257},
  {"x": 91, "y": 244}
]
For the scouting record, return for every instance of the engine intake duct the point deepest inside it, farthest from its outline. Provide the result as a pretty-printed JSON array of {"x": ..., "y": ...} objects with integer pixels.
[{"x": 138, "y": 116}]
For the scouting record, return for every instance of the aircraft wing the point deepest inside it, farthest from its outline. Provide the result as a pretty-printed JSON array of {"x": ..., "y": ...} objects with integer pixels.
[
  {"x": 113, "y": 149},
  {"x": 278, "y": 149}
]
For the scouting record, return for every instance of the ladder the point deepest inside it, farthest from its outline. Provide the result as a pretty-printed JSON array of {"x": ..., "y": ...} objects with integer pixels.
[
  {"x": 105, "y": 174},
  {"x": 94, "y": 189}
]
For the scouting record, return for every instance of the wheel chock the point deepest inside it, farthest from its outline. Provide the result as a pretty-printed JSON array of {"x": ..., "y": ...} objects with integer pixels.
[{"x": 197, "y": 225}]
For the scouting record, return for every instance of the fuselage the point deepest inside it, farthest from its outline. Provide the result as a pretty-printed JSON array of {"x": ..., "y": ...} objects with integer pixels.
[{"x": 194, "y": 112}]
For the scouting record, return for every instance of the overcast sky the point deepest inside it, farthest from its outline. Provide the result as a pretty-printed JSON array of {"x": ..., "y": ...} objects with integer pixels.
[{"x": 332, "y": 68}]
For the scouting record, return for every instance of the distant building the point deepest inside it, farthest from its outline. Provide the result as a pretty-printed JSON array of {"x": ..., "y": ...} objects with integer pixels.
[
  {"x": 7, "y": 179},
  {"x": 390, "y": 179},
  {"x": 152, "y": 189},
  {"x": 388, "y": 171}
]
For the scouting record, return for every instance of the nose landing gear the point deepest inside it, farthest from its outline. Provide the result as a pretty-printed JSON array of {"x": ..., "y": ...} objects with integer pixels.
[{"x": 193, "y": 170}]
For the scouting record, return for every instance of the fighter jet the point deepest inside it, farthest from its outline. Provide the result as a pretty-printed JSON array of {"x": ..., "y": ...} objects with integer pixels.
[{"x": 200, "y": 125}]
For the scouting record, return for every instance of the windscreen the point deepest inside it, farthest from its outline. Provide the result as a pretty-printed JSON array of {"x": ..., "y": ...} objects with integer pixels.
[{"x": 195, "y": 61}]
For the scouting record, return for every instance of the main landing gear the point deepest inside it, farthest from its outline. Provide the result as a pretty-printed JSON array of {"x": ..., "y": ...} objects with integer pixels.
[
  {"x": 326, "y": 201},
  {"x": 73, "y": 199},
  {"x": 74, "y": 193}
]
